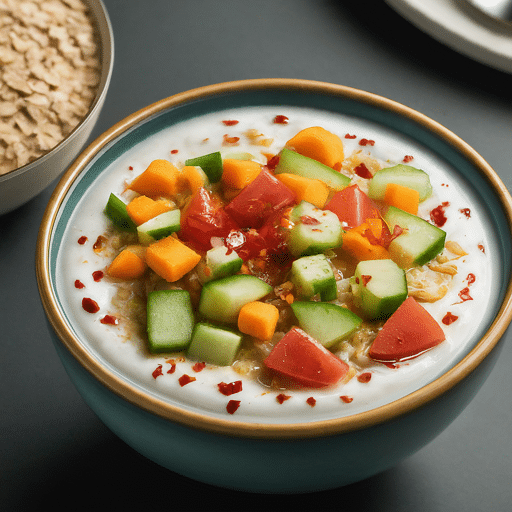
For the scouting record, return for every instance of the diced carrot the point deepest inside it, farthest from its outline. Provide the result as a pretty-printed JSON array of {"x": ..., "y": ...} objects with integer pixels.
[
  {"x": 320, "y": 144},
  {"x": 142, "y": 208},
  {"x": 376, "y": 226},
  {"x": 239, "y": 173},
  {"x": 402, "y": 197},
  {"x": 159, "y": 179},
  {"x": 171, "y": 259},
  {"x": 127, "y": 265},
  {"x": 258, "y": 319},
  {"x": 313, "y": 191},
  {"x": 192, "y": 178},
  {"x": 360, "y": 247}
]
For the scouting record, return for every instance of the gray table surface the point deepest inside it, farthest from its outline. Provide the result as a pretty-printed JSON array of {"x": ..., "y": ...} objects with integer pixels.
[{"x": 54, "y": 452}]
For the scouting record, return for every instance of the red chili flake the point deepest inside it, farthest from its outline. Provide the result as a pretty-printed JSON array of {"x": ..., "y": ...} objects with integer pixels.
[
  {"x": 79, "y": 284},
  {"x": 348, "y": 136},
  {"x": 449, "y": 318},
  {"x": 157, "y": 372},
  {"x": 272, "y": 162},
  {"x": 230, "y": 122},
  {"x": 97, "y": 275},
  {"x": 130, "y": 168},
  {"x": 366, "y": 279},
  {"x": 407, "y": 158},
  {"x": 437, "y": 214},
  {"x": 82, "y": 240},
  {"x": 309, "y": 221},
  {"x": 89, "y": 305},
  {"x": 109, "y": 320},
  {"x": 281, "y": 120},
  {"x": 464, "y": 294},
  {"x": 230, "y": 140},
  {"x": 366, "y": 142},
  {"x": 346, "y": 399},
  {"x": 364, "y": 377},
  {"x": 471, "y": 279},
  {"x": 466, "y": 212},
  {"x": 174, "y": 151},
  {"x": 362, "y": 171},
  {"x": 231, "y": 388},
  {"x": 311, "y": 401},
  {"x": 172, "y": 369},
  {"x": 481, "y": 247},
  {"x": 233, "y": 406},
  {"x": 199, "y": 367},
  {"x": 282, "y": 398},
  {"x": 100, "y": 242},
  {"x": 186, "y": 379}
]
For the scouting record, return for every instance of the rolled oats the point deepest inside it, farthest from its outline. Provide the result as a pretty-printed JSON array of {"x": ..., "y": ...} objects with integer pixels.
[{"x": 49, "y": 74}]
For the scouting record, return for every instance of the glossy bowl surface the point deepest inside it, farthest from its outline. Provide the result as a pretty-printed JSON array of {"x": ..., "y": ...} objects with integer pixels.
[
  {"x": 20, "y": 185},
  {"x": 262, "y": 453}
]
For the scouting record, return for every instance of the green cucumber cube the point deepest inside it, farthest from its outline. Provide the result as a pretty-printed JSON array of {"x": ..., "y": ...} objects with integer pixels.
[
  {"x": 159, "y": 227},
  {"x": 214, "y": 345},
  {"x": 295, "y": 163},
  {"x": 211, "y": 165},
  {"x": 327, "y": 323},
  {"x": 420, "y": 241},
  {"x": 379, "y": 287},
  {"x": 400, "y": 174},
  {"x": 221, "y": 300},
  {"x": 170, "y": 320},
  {"x": 219, "y": 262},
  {"x": 115, "y": 210},
  {"x": 314, "y": 230},
  {"x": 312, "y": 275}
]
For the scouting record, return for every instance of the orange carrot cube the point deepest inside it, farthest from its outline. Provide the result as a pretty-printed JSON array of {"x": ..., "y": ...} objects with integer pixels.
[{"x": 171, "y": 259}]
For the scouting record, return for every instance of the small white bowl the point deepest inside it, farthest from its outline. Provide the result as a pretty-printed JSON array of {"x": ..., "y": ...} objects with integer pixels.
[
  {"x": 20, "y": 185},
  {"x": 265, "y": 446}
]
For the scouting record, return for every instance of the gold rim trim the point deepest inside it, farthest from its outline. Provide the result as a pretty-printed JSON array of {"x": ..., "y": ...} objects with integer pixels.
[{"x": 227, "y": 426}]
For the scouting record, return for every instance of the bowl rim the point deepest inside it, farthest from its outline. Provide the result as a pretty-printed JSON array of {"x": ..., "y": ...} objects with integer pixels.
[
  {"x": 103, "y": 27},
  {"x": 249, "y": 429}
]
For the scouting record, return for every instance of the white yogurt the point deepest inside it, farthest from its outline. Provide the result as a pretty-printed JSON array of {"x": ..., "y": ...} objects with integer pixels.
[{"x": 196, "y": 137}]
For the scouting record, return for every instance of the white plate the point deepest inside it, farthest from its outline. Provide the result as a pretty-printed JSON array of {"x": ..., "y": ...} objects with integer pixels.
[{"x": 457, "y": 24}]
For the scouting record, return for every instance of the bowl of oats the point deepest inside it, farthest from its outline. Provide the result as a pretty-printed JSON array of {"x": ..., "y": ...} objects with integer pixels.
[
  {"x": 277, "y": 285},
  {"x": 56, "y": 63}
]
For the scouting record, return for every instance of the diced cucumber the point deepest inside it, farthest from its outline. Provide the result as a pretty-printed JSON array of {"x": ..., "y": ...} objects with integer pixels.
[
  {"x": 419, "y": 242},
  {"x": 312, "y": 275},
  {"x": 116, "y": 212},
  {"x": 400, "y": 174},
  {"x": 295, "y": 163},
  {"x": 159, "y": 227},
  {"x": 327, "y": 323},
  {"x": 314, "y": 230},
  {"x": 170, "y": 320},
  {"x": 379, "y": 287},
  {"x": 222, "y": 300},
  {"x": 214, "y": 345},
  {"x": 219, "y": 262},
  {"x": 211, "y": 165}
]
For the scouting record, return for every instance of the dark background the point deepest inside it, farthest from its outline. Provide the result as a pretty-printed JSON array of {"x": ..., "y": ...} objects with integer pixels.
[{"x": 54, "y": 452}]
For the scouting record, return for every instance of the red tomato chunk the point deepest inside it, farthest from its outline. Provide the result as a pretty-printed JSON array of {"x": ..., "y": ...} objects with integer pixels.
[
  {"x": 301, "y": 358},
  {"x": 408, "y": 332}
]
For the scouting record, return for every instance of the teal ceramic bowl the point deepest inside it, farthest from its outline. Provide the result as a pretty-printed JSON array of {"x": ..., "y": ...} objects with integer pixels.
[{"x": 265, "y": 447}]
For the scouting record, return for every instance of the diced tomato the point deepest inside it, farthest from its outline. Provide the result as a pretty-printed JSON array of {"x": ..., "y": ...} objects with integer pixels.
[
  {"x": 352, "y": 206},
  {"x": 203, "y": 219},
  {"x": 407, "y": 333},
  {"x": 302, "y": 359},
  {"x": 264, "y": 196}
]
